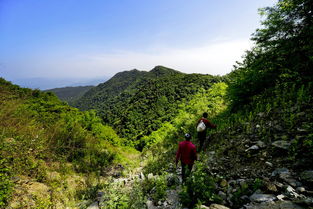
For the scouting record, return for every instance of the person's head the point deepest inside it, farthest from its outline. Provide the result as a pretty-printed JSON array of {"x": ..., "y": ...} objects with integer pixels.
[
  {"x": 205, "y": 115},
  {"x": 187, "y": 137}
]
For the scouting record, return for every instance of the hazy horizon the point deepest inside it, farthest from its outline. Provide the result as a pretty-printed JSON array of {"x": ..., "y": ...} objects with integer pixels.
[{"x": 67, "y": 42}]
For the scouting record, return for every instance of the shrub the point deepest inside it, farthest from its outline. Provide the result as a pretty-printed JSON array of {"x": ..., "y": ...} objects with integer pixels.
[
  {"x": 199, "y": 188},
  {"x": 5, "y": 183}
]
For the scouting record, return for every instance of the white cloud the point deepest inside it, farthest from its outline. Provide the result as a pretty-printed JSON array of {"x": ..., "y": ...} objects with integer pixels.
[{"x": 216, "y": 58}]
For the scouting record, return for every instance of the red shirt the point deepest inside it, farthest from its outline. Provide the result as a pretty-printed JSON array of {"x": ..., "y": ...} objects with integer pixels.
[
  {"x": 186, "y": 152},
  {"x": 207, "y": 123}
]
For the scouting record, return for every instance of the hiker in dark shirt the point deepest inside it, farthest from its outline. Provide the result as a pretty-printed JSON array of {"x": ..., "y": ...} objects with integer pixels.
[
  {"x": 202, "y": 134},
  {"x": 187, "y": 154}
]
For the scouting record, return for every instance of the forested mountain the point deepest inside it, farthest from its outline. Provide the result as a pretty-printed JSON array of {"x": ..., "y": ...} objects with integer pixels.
[
  {"x": 135, "y": 103},
  {"x": 70, "y": 94}
]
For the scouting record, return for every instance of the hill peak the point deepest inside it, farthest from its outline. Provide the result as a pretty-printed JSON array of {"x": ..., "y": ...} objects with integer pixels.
[{"x": 161, "y": 70}]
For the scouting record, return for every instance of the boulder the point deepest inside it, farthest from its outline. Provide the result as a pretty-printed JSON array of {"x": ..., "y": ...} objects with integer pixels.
[
  {"x": 262, "y": 198},
  {"x": 300, "y": 189},
  {"x": 217, "y": 206},
  {"x": 274, "y": 205},
  {"x": 290, "y": 192},
  {"x": 280, "y": 197},
  {"x": 93, "y": 206},
  {"x": 150, "y": 205}
]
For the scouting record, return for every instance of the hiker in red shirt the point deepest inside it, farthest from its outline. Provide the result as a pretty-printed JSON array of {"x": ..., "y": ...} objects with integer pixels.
[
  {"x": 187, "y": 154},
  {"x": 202, "y": 134}
]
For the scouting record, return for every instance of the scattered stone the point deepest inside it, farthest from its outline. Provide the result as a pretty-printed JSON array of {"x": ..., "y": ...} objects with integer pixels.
[
  {"x": 260, "y": 144},
  {"x": 150, "y": 176},
  {"x": 93, "y": 206},
  {"x": 222, "y": 195},
  {"x": 172, "y": 197},
  {"x": 150, "y": 205},
  {"x": 274, "y": 205},
  {"x": 254, "y": 147},
  {"x": 281, "y": 144},
  {"x": 269, "y": 164},
  {"x": 262, "y": 197},
  {"x": 217, "y": 206},
  {"x": 279, "y": 185},
  {"x": 142, "y": 176},
  {"x": 293, "y": 182},
  {"x": 300, "y": 189},
  {"x": 284, "y": 176},
  {"x": 280, "y": 197},
  {"x": 280, "y": 171},
  {"x": 290, "y": 192}
]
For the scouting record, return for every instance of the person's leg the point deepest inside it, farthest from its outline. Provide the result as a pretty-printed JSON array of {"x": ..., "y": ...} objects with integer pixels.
[
  {"x": 201, "y": 137},
  {"x": 188, "y": 170},
  {"x": 190, "y": 167}
]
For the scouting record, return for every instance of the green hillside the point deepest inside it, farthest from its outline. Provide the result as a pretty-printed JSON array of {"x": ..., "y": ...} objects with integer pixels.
[
  {"x": 46, "y": 144},
  {"x": 135, "y": 103},
  {"x": 70, "y": 94}
]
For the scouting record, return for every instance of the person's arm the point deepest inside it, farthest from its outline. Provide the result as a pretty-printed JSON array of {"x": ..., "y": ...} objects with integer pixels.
[
  {"x": 209, "y": 124},
  {"x": 194, "y": 154}
]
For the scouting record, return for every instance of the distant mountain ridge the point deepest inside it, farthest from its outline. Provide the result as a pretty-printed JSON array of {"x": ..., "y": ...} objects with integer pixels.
[
  {"x": 70, "y": 94},
  {"x": 137, "y": 102}
]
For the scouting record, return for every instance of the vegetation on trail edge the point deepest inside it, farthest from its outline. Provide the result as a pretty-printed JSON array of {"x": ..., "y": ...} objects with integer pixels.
[{"x": 44, "y": 140}]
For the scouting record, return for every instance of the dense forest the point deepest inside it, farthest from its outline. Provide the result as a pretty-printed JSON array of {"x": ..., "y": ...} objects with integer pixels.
[
  {"x": 260, "y": 155},
  {"x": 70, "y": 94},
  {"x": 136, "y": 103}
]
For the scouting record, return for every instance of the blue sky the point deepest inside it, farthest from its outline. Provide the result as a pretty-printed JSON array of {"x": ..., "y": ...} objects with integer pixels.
[{"x": 76, "y": 41}]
